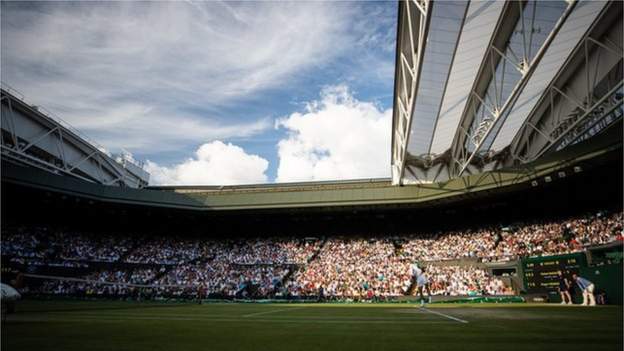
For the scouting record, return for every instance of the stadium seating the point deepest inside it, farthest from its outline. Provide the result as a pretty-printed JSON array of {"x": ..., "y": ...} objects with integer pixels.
[{"x": 372, "y": 267}]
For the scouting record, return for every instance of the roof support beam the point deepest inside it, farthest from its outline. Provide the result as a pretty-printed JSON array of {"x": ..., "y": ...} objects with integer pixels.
[
  {"x": 33, "y": 136},
  {"x": 609, "y": 103},
  {"x": 413, "y": 27},
  {"x": 559, "y": 119},
  {"x": 526, "y": 70}
]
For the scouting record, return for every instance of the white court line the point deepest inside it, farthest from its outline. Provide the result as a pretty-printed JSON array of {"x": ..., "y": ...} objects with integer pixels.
[
  {"x": 229, "y": 316},
  {"x": 444, "y": 315},
  {"x": 272, "y": 311},
  {"x": 219, "y": 320}
]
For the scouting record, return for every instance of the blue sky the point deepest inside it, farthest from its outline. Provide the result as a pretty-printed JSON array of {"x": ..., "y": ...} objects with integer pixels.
[{"x": 215, "y": 92}]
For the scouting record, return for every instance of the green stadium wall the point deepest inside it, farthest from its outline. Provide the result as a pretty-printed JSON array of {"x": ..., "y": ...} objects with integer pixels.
[{"x": 607, "y": 278}]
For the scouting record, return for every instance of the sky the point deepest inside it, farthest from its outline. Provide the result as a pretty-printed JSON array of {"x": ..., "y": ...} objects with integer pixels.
[{"x": 211, "y": 93}]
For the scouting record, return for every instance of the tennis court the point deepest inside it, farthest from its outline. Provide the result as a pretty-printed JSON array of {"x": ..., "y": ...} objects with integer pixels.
[{"x": 101, "y": 325}]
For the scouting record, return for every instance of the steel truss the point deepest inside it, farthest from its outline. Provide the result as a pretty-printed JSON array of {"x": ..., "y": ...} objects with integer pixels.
[
  {"x": 562, "y": 119},
  {"x": 104, "y": 170},
  {"x": 410, "y": 55},
  {"x": 485, "y": 109}
]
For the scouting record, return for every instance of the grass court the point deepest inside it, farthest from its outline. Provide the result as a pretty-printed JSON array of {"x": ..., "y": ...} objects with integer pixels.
[{"x": 98, "y": 325}]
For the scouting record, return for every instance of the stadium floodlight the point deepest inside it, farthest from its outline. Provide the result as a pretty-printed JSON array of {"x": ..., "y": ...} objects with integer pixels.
[
  {"x": 534, "y": 183},
  {"x": 561, "y": 174},
  {"x": 547, "y": 179},
  {"x": 578, "y": 169}
]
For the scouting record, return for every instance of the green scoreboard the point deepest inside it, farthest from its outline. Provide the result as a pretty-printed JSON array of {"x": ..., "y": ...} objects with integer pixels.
[{"x": 541, "y": 274}]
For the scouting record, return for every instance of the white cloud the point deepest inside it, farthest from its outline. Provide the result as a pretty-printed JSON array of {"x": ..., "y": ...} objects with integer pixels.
[
  {"x": 337, "y": 137},
  {"x": 132, "y": 72},
  {"x": 157, "y": 78},
  {"x": 136, "y": 127},
  {"x": 215, "y": 163}
]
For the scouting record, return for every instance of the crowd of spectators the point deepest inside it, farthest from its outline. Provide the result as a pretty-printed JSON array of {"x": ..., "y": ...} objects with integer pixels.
[
  {"x": 167, "y": 250},
  {"x": 517, "y": 240},
  {"x": 38, "y": 262},
  {"x": 43, "y": 244},
  {"x": 354, "y": 268},
  {"x": 560, "y": 237},
  {"x": 364, "y": 267},
  {"x": 64, "y": 245},
  {"x": 216, "y": 278},
  {"x": 268, "y": 251},
  {"x": 106, "y": 283},
  {"x": 23, "y": 243},
  {"x": 221, "y": 278},
  {"x": 449, "y": 245},
  {"x": 464, "y": 280}
]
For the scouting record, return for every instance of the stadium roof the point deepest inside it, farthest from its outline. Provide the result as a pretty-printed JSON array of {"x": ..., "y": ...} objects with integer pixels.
[
  {"x": 350, "y": 194},
  {"x": 487, "y": 94},
  {"x": 486, "y": 85}
]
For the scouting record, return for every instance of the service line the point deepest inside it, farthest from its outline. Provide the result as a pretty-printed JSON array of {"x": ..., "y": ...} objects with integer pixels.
[{"x": 444, "y": 315}]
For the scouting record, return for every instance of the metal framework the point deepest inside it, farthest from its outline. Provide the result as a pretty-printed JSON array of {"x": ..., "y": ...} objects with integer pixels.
[
  {"x": 549, "y": 77},
  {"x": 409, "y": 58},
  {"x": 488, "y": 107},
  {"x": 31, "y": 137},
  {"x": 562, "y": 119}
]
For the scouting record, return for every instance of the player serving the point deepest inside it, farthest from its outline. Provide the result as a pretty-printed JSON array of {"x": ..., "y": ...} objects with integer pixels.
[{"x": 422, "y": 282}]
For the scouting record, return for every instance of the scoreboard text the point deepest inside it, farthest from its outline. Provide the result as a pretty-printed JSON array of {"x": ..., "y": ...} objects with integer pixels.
[{"x": 541, "y": 274}]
